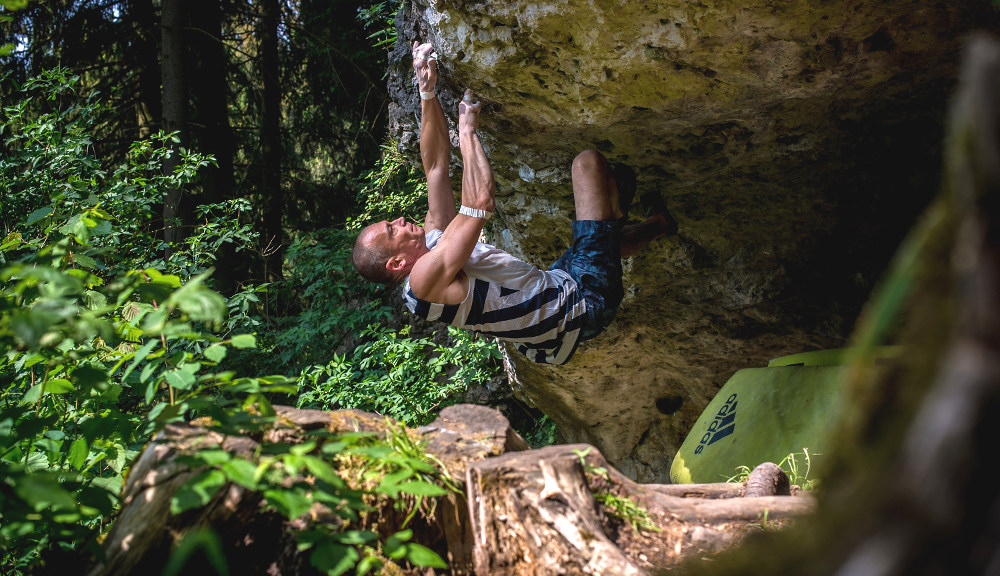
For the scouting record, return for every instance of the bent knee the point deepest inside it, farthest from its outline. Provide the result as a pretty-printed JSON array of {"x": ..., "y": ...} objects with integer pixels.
[{"x": 590, "y": 162}]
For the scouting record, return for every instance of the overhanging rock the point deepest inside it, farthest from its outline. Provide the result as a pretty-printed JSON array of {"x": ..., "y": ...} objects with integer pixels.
[{"x": 794, "y": 142}]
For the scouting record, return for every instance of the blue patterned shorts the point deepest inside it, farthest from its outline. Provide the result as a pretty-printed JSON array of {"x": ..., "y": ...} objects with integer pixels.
[{"x": 594, "y": 262}]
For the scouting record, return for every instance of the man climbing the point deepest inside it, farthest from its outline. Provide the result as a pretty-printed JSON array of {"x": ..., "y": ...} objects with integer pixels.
[{"x": 449, "y": 276}]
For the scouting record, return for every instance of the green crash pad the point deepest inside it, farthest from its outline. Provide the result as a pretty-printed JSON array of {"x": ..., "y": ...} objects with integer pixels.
[{"x": 765, "y": 414}]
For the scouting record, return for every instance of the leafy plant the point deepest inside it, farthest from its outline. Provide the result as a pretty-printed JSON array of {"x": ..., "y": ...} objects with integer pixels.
[
  {"x": 382, "y": 17},
  {"x": 101, "y": 346},
  {"x": 9, "y": 5},
  {"x": 347, "y": 476},
  {"x": 393, "y": 187},
  {"x": 408, "y": 379},
  {"x": 105, "y": 341},
  {"x": 621, "y": 507},
  {"x": 628, "y": 510},
  {"x": 542, "y": 433}
]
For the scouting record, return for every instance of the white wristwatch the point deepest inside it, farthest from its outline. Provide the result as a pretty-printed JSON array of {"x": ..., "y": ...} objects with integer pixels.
[{"x": 474, "y": 212}]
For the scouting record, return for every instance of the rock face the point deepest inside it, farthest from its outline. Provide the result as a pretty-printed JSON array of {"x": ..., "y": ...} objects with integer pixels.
[{"x": 794, "y": 142}]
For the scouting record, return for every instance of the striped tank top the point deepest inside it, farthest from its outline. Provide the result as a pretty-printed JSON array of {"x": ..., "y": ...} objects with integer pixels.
[{"x": 539, "y": 311}]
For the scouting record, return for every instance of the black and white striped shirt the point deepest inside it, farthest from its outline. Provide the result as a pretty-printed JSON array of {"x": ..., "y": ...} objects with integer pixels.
[{"x": 540, "y": 311}]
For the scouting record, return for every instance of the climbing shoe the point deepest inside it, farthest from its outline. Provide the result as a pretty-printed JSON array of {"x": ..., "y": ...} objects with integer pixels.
[
  {"x": 626, "y": 181},
  {"x": 654, "y": 205}
]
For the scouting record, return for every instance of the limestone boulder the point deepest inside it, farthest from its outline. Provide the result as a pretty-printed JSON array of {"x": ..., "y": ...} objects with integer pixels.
[{"x": 794, "y": 142}]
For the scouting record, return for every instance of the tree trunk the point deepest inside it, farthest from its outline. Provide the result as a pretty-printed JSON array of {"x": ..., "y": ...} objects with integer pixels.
[
  {"x": 271, "y": 157},
  {"x": 174, "y": 105},
  {"x": 214, "y": 134},
  {"x": 143, "y": 59}
]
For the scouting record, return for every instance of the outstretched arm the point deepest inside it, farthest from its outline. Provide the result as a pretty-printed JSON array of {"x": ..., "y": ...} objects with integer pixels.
[
  {"x": 435, "y": 146},
  {"x": 438, "y": 275}
]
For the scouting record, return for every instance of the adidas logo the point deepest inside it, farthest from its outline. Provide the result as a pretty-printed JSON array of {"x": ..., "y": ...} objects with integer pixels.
[{"x": 722, "y": 425}]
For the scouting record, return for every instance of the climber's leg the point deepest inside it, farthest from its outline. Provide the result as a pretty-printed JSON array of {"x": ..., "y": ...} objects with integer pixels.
[{"x": 594, "y": 190}]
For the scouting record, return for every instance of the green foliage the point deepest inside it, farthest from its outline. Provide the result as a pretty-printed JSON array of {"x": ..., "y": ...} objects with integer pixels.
[
  {"x": 345, "y": 476},
  {"x": 621, "y": 507},
  {"x": 628, "y": 510},
  {"x": 381, "y": 17},
  {"x": 334, "y": 304},
  {"x": 9, "y": 5},
  {"x": 105, "y": 341},
  {"x": 394, "y": 187},
  {"x": 101, "y": 348},
  {"x": 409, "y": 379},
  {"x": 542, "y": 433}
]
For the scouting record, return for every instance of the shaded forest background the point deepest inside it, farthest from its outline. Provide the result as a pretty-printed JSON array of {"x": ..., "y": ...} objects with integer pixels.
[
  {"x": 181, "y": 185},
  {"x": 286, "y": 100}
]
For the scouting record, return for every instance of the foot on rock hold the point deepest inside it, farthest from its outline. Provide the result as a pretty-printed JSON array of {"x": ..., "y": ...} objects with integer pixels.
[{"x": 656, "y": 207}]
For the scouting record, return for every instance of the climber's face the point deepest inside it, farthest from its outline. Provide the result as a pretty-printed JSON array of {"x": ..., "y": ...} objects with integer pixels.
[
  {"x": 403, "y": 241},
  {"x": 401, "y": 236}
]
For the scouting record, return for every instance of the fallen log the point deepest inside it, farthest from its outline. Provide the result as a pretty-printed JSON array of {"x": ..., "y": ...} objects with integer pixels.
[
  {"x": 530, "y": 509},
  {"x": 533, "y": 511}
]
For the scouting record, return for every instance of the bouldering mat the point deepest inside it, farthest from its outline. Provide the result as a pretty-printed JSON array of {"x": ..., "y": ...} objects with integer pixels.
[{"x": 763, "y": 415}]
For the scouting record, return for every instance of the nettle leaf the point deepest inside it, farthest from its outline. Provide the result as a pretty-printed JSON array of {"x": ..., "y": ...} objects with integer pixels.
[
  {"x": 93, "y": 299},
  {"x": 180, "y": 379},
  {"x": 139, "y": 356},
  {"x": 90, "y": 377},
  {"x": 84, "y": 261},
  {"x": 189, "y": 367},
  {"x": 198, "y": 302},
  {"x": 198, "y": 491},
  {"x": 30, "y": 326},
  {"x": 148, "y": 370},
  {"x": 244, "y": 341},
  {"x": 43, "y": 492},
  {"x": 210, "y": 457},
  {"x": 156, "y": 277},
  {"x": 368, "y": 564},
  {"x": 38, "y": 215},
  {"x": 78, "y": 452},
  {"x": 37, "y": 462},
  {"x": 394, "y": 546},
  {"x": 355, "y": 537},
  {"x": 242, "y": 472},
  {"x": 420, "y": 555},
  {"x": 332, "y": 558},
  {"x": 12, "y": 240},
  {"x": 322, "y": 470},
  {"x": 291, "y": 503},
  {"x": 154, "y": 291},
  {"x": 133, "y": 310},
  {"x": 58, "y": 386},
  {"x": 215, "y": 353},
  {"x": 103, "y": 228},
  {"x": 120, "y": 456}
]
